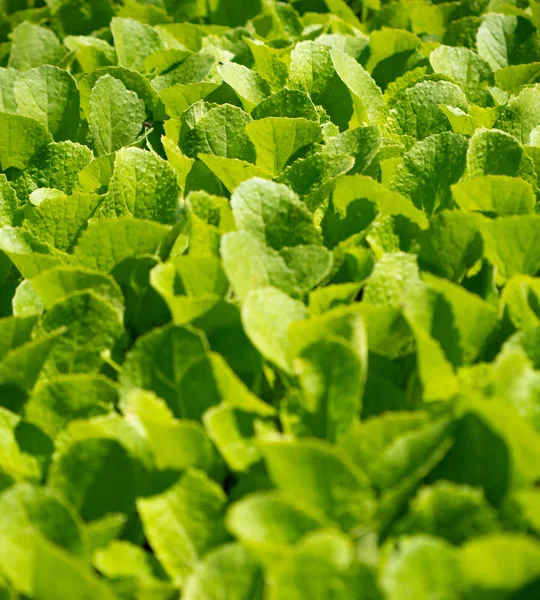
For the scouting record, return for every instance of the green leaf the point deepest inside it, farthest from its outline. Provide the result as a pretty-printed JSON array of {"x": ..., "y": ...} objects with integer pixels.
[
  {"x": 15, "y": 331},
  {"x": 332, "y": 379},
  {"x": 313, "y": 177},
  {"x": 60, "y": 221},
  {"x": 403, "y": 289},
  {"x": 230, "y": 570},
  {"x": 366, "y": 95},
  {"x": 25, "y": 506},
  {"x": 268, "y": 522},
  {"x": 116, "y": 115},
  {"x": 296, "y": 467},
  {"x": 512, "y": 78},
  {"x": 192, "y": 68},
  {"x": 184, "y": 522},
  {"x": 312, "y": 71},
  {"x": 416, "y": 110},
  {"x": 267, "y": 314},
  {"x": 453, "y": 244},
  {"x": 519, "y": 297},
  {"x": 57, "y": 166},
  {"x": 466, "y": 68},
  {"x": 323, "y": 565},
  {"x": 179, "y": 97},
  {"x": 496, "y": 194},
  {"x": 96, "y": 175},
  {"x": 22, "y": 137},
  {"x": 342, "y": 230},
  {"x": 447, "y": 510},
  {"x": 72, "y": 17},
  {"x": 107, "y": 243},
  {"x": 234, "y": 432},
  {"x": 175, "y": 444},
  {"x": 26, "y": 302},
  {"x": 9, "y": 206},
  {"x": 232, "y": 171},
  {"x": 353, "y": 45},
  {"x": 277, "y": 139},
  {"x": 527, "y": 500},
  {"x": 37, "y": 197},
  {"x": 60, "y": 282},
  {"x": 474, "y": 324},
  {"x": 29, "y": 255},
  {"x": 234, "y": 392},
  {"x": 273, "y": 214},
  {"x": 495, "y": 39},
  {"x": 250, "y": 265},
  {"x": 201, "y": 275},
  {"x": 521, "y": 115},
  {"x": 332, "y": 296},
  {"x": 511, "y": 243},
  {"x": 185, "y": 307},
  {"x": 311, "y": 264},
  {"x": 362, "y": 143},
  {"x": 269, "y": 64},
  {"x": 209, "y": 217},
  {"x": 173, "y": 362},
  {"x": 92, "y": 325},
  {"x": 427, "y": 171},
  {"x": 221, "y": 132},
  {"x": 249, "y": 86},
  {"x": 133, "y": 81},
  {"x": 143, "y": 186},
  {"x": 498, "y": 565},
  {"x": 231, "y": 13},
  {"x": 134, "y": 42},
  {"x": 291, "y": 104},
  {"x": 55, "y": 403},
  {"x": 395, "y": 446},
  {"x": 33, "y": 46},
  {"x": 346, "y": 324},
  {"x": 50, "y": 95},
  {"x": 30, "y": 517},
  {"x": 139, "y": 569},
  {"x": 167, "y": 60},
  {"x": 486, "y": 149},
  {"x": 26, "y": 450},
  {"x": 420, "y": 567},
  {"x": 91, "y": 52},
  {"x": 349, "y": 188},
  {"x": 180, "y": 163},
  {"x": 7, "y": 89},
  {"x": 466, "y": 123},
  {"x": 100, "y": 466},
  {"x": 511, "y": 376},
  {"x": 432, "y": 18},
  {"x": 499, "y": 435},
  {"x": 390, "y": 43},
  {"x": 433, "y": 367},
  {"x": 343, "y": 11},
  {"x": 78, "y": 579}
]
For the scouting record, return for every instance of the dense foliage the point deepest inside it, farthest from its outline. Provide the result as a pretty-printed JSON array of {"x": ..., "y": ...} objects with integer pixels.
[{"x": 270, "y": 315}]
